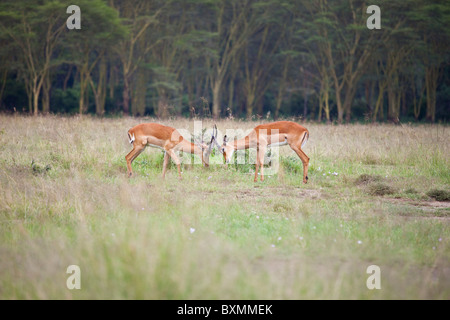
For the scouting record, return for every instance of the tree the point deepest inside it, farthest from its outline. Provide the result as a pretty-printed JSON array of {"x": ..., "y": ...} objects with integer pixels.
[
  {"x": 36, "y": 28},
  {"x": 87, "y": 48},
  {"x": 430, "y": 21},
  {"x": 260, "y": 52},
  {"x": 137, "y": 17},
  {"x": 233, "y": 26}
]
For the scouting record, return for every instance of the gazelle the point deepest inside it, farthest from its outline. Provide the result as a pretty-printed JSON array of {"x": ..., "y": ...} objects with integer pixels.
[
  {"x": 166, "y": 138},
  {"x": 270, "y": 134}
]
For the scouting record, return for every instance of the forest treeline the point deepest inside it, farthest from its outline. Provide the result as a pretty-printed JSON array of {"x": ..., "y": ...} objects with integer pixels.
[{"x": 228, "y": 58}]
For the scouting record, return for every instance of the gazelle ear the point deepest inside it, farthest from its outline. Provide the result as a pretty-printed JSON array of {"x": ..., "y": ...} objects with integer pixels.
[{"x": 225, "y": 139}]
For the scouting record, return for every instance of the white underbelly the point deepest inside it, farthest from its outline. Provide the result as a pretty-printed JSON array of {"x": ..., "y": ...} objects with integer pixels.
[
  {"x": 154, "y": 146},
  {"x": 278, "y": 144}
]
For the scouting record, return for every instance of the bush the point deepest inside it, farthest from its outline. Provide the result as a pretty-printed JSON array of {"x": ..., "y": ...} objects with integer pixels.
[
  {"x": 380, "y": 189},
  {"x": 439, "y": 195},
  {"x": 365, "y": 179}
]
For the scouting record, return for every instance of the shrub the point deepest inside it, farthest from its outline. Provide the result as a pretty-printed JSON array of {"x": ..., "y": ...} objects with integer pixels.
[
  {"x": 365, "y": 179},
  {"x": 380, "y": 189},
  {"x": 439, "y": 195}
]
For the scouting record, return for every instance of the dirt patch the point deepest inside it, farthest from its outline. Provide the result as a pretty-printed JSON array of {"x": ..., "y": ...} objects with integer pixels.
[
  {"x": 19, "y": 171},
  {"x": 432, "y": 209},
  {"x": 278, "y": 192}
]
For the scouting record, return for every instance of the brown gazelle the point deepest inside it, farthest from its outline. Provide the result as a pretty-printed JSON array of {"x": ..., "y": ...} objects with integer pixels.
[
  {"x": 270, "y": 134},
  {"x": 166, "y": 138}
]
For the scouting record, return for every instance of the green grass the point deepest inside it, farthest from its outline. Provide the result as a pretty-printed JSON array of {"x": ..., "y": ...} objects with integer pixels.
[{"x": 65, "y": 199}]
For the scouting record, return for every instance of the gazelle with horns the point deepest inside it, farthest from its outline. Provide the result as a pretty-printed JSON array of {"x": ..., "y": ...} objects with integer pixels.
[
  {"x": 267, "y": 135},
  {"x": 166, "y": 138}
]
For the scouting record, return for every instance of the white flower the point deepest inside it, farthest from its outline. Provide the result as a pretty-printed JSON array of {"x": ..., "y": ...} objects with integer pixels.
[
  {"x": 279, "y": 238},
  {"x": 359, "y": 241},
  {"x": 191, "y": 230}
]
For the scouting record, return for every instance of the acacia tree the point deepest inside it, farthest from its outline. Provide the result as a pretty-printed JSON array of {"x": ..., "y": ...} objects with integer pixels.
[
  {"x": 233, "y": 26},
  {"x": 260, "y": 52},
  {"x": 6, "y": 50},
  {"x": 87, "y": 48},
  {"x": 166, "y": 60},
  {"x": 430, "y": 21},
  {"x": 349, "y": 51},
  {"x": 314, "y": 48},
  {"x": 137, "y": 16},
  {"x": 36, "y": 29}
]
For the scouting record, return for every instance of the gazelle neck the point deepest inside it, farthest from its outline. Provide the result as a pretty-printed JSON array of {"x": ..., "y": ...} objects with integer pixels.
[
  {"x": 241, "y": 144},
  {"x": 192, "y": 148}
]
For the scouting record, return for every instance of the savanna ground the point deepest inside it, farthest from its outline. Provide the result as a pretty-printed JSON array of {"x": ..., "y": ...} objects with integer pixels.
[{"x": 372, "y": 199}]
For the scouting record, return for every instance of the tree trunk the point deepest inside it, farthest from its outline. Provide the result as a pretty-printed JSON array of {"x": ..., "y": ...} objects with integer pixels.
[
  {"x": 416, "y": 104},
  {"x": 349, "y": 96},
  {"x": 2, "y": 89},
  {"x": 46, "y": 86},
  {"x": 126, "y": 95},
  {"x": 380, "y": 100},
  {"x": 216, "y": 99},
  {"x": 35, "y": 100},
  {"x": 230, "y": 96},
  {"x": 83, "y": 91},
  {"x": 393, "y": 99},
  {"x": 431, "y": 80},
  {"x": 339, "y": 106},
  {"x": 66, "y": 79},
  {"x": 250, "y": 101},
  {"x": 163, "y": 107},
  {"x": 139, "y": 94},
  {"x": 100, "y": 90}
]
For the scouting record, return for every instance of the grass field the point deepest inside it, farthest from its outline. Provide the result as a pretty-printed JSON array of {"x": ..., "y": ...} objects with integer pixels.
[{"x": 372, "y": 199}]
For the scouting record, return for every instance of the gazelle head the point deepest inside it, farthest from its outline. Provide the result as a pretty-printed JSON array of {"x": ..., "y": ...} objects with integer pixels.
[
  {"x": 207, "y": 148},
  {"x": 226, "y": 149}
]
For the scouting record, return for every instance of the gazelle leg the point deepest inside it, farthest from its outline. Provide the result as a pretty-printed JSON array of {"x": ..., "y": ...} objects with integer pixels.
[
  {"x": 176, "y": 160},
  {"x": 260, "y": 155},
  {"x": 165, "y": 163},
  {"x": 305, "y": 161},
  {"x": 256, "y": 165},
  {"x": 131, "y": 156}
]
